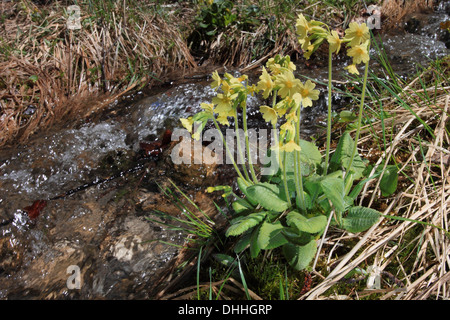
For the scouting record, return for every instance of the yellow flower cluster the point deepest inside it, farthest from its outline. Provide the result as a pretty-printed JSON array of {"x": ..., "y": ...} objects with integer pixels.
[
  {"x": 224, "y": 104},
  {"x": 311, "y": 34},
  {"x": 281, "y": 82}
]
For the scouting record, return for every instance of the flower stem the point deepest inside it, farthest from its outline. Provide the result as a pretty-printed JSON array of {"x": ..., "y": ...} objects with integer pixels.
[
  {"x": 228, "y": 150},
  {"x": 297, "y": 166},
  {"x": 247, "y": 145},
  {"x": 238, "y": 138},
  {"x": 327, "y": 153},
  {"x": 358, "y": 128},
  {"x": 283, "y": 168}
]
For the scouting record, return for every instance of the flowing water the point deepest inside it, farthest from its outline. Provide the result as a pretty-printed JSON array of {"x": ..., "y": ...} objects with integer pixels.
[{"x": 101, "y": 229}]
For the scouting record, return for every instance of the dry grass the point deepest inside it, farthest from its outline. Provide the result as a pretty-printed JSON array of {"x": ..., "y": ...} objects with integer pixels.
[
  {"x": 48, "y": 71},
  {"x": 394, "y": 12},
  {"x": 423, "y": 197}
]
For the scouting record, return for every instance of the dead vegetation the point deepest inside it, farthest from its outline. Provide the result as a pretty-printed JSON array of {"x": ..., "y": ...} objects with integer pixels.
[
  {"x": 422, "y": 200},
  {"x": 394, "y": 12},
  {"x": 50, "y": 73}
]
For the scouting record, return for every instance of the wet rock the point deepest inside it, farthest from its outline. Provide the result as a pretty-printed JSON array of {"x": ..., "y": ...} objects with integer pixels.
[
  {"x": 193, "y": 170},
  {"x": 429, "y": 25},
  {"x": 116, "y": 251}
]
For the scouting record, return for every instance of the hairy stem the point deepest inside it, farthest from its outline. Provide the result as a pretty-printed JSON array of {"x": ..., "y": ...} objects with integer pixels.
[{"x": 327, "y": 153}]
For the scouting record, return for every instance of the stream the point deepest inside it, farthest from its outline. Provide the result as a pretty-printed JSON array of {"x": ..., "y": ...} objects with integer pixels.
[{"x": 101, "y": 232}]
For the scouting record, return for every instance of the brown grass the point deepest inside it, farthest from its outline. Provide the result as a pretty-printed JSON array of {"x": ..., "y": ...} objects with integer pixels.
[
  {"x": 394, "y": 12},
  {"x": 52, "y": 70},
  {"x": 424, "y": 198}
]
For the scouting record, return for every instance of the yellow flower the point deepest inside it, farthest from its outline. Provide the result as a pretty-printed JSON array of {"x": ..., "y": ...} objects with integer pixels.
[
  {"x": 291, "y": 66},
  {"x": 302, "y": 26},
  {"x": 297, "y": 98},
  {"x": 288, "y": 84},
  {"x": 224, "y": 101},
  {"x": 287, "y": 130},
  {"x": 208, "y": 107},
  {"x": 275, "y": 68},
  {"x": 252, "y": 89},
  {"x": 265, "y": 84},
  {"x": 352, "y": 69},
  {"x": 334, "y": 41},
  {"x": 359, "y": 53},
  {"x": 224, "y": 106},
  {"x": 290, "y": 146},
  {"x": 187, "y": 123},
  {"x": 223, "y": 119},
  {"x": 269, "y": 114},
  {"x": 217, "y": 80},
  {"x": 308, "y": 47},
  {"x": 281, "y": 107},
  {"x": 234, "y": 82},
  {"x": 356, "y": 33},
  {"x": 308, "y": 93},
  {"x": 291, "y": 116}
]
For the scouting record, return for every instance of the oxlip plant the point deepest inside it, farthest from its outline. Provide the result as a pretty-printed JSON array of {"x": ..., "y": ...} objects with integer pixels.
[{"x": 292, "y": 207}]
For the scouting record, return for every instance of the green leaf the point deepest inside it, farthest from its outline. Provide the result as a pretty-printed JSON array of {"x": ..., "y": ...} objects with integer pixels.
[
  {"x": 242, "y": 243},
  {"x": 266, "y": 197},
  {"x": 243, "y": 224},
  {"x": 357, "y": 189},
  {"x": 225, "y": 259},
  {"x": 270, "y": 235},
  {"x": 254, "y": 246},
  {"x": 312, "y": 186},
  {"x": 243, "y": 185},
  {"x": 294, "y": 236},
  {"x": 307, "y": 199},
  {"x": 299, "y": 257},
  {"x": 241, "y": 205},
  {"x": 310, "y": 157},
  {"x": 388, "y": 183},
  {"x": 309, "y": 153},
  {"x": 342, "y": 156},
  {"x": 334, "y": 190},
  {"x": 347, "y": 116},
  {"x": 360, "y": 219},
  {"x": 311, "y": 225}
]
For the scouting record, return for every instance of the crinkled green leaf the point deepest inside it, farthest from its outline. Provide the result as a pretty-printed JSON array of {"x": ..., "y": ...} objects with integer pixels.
[
  {"x": 360, "y": 219},
  {"x": 309, "y": 153},
  {"x": 242, "y": 243},
  {"x": 254, "y": 246},
  {"x": 266, "y": 197},
  {"x": 241, "y": 205},
  {"x": 243, "y": 224},
  {"x": 334, "y": 190},
  {"x": 388, "y": 183},
  {"x": 342, "y": 155},
  {"x": 302, "y": 223},
  {"x": 270, "y": 235},
  {"x": 299, "y": 257},
  {"x": 242, "y": 184}
]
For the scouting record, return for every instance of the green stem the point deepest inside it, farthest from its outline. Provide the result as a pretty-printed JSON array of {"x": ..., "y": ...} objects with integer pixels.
[
  {"x": 327, "y": 153},
  {"x": 276, "y": 141},
  {"x": 358, "y": 128},
  {"x": 286, "y": 189},
  {"x": 228, "y": 150},
  {"x": 297, "y": 166},
  {"x": 238, "y": 138},
  {"x": 247, "y": 144}
]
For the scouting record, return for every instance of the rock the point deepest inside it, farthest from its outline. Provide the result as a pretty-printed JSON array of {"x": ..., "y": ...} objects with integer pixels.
[
  {"x": 195, "y": 172},
  {"x": 116, "y": 251}
]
